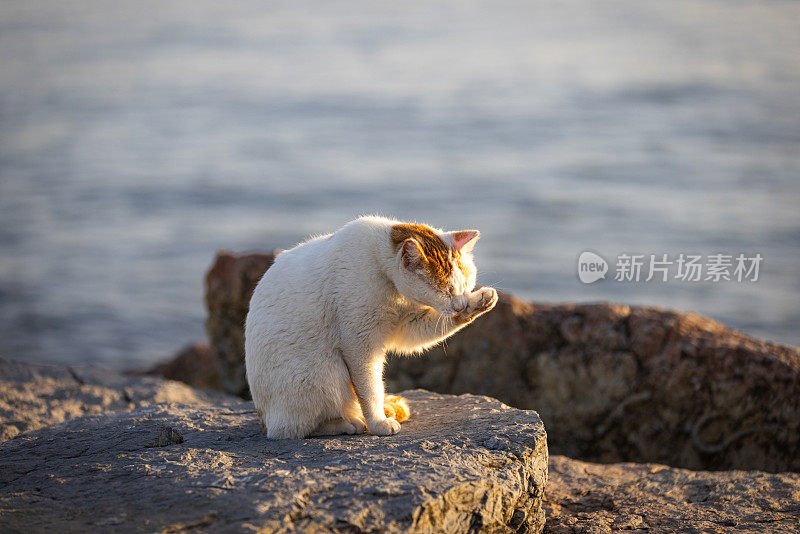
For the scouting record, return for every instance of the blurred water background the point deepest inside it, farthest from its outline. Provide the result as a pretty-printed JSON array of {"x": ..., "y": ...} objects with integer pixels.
[{"x": 137, "y": 138}]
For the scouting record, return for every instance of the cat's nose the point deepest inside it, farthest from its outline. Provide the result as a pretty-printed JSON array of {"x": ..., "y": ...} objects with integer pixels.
[{"x": 459, "y": 302}]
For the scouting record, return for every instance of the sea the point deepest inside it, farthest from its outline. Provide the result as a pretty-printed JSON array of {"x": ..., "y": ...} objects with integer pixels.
[{"x": 137, "y": 138}]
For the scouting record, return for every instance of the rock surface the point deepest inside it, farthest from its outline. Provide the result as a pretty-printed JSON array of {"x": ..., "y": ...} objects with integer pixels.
[
  {"x": 196, "y": 365},
  {"x": 461, "y": 463},
  {"x": 229, "y": 285},
  {"x": 650, "y": 498},
  {"x": 618, "y": 383},
  {"x": 612, "y": 383},
  {"x": 36, "y": 395}
]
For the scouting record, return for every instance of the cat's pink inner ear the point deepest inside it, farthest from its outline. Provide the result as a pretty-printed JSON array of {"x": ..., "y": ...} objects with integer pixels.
[
  {"x": 412, "y": 254},
  {"x": 462, "y": 238}
]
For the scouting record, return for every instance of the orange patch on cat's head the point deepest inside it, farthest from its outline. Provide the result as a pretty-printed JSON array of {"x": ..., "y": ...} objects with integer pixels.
[{"x": 437, "y": 254}]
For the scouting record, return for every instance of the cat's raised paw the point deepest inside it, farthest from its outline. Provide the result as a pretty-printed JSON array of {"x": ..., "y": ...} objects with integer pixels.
[
  {"x": 385, "y": 427},
  {"x": 481, "y": 301},
  {"x": 487, "y": 300}
]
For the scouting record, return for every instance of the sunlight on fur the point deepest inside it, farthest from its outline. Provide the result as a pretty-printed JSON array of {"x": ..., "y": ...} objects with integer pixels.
[{"x": 324, "y": 315}]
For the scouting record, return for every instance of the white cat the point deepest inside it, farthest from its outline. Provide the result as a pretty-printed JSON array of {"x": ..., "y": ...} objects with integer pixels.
[{"x": 325, "y": 313}]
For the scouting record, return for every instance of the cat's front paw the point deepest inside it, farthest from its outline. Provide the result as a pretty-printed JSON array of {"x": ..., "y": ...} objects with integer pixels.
[
  {"x": 480, "y": 301},
  {"x": 384, "y": 427},
  {"x": 485, "y": 300}
]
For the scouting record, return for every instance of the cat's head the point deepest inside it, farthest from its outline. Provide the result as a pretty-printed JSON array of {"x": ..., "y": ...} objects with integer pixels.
[{"x": 434, "y": 268}]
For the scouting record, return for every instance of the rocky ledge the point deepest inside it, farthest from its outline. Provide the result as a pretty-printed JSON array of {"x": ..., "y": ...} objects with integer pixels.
[
  {"x": 36, "y": 395},
  {"x": 199, "y": 462},
  {"x": 590, "y": 498},
  {"x": 622, "y": 383},
  {"x": 461, "y": 463}
]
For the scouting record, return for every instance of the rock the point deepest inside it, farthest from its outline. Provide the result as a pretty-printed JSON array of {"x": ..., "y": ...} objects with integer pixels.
[
  {"x": 612, "y": 383},
  {"x": 229, "y": 285},
  {"x": 652, "y": 498},
  {"x": 35, "y": 395},
  {"x": 618, "y": 383},
  {"x": 436, "y": 475},
  {"x": 195, "y": 365}
]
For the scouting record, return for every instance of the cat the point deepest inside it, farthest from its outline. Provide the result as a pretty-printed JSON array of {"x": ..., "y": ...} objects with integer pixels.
[{"x": 323, "y": 316}]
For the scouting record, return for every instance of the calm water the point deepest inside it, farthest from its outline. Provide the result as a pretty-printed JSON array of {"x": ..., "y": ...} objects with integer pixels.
[{"x": 137, "y": 138}]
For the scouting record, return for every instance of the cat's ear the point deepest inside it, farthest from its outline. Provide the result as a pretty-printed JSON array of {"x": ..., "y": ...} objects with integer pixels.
[
  {"x": 412, "y": 255},
  {"x": 464, "y": 240}
]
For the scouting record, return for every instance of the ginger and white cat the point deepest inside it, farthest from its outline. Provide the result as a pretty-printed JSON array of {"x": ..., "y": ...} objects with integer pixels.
[{"x": 325, "y": 313}]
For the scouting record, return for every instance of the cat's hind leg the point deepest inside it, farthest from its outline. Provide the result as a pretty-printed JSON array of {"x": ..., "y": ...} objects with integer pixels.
[
  {"x": 338, "y": 426},
  {"x": 351, "y": 410},
  {"x": 311, "y": 400},
  {"x": 351, "y": 420}
]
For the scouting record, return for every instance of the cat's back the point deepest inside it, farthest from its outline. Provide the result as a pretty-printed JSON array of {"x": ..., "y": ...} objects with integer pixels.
[
  {"x": 330, "y": 270},
  {"x": 347, "y": 249},
  {"x": 292, "y": 271},
  {"x": 308, "y": 268}
]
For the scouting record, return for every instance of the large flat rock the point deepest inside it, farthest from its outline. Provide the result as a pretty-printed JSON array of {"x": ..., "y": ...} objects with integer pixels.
[
  {"x": 591, "y": 498},
  {"x": 461, "y": 463},
  {"x": 36, "y": 395}
]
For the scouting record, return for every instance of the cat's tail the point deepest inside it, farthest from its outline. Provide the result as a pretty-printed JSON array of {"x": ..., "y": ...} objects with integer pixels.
[{"x": 397, "y": 407}]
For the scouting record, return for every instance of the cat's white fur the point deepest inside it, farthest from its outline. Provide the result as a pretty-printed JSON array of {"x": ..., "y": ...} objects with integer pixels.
[{"x": 324, "y": 315}]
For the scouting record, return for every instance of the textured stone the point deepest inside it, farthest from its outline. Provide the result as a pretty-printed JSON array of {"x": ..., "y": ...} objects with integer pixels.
[
  {"x": 195, "y": 364},
  {"x": 36, "y": 395},
  {"x": 168, "y": 468},
  {"x": 465, "y": 463},
  {"x": 595, "y": 498},
  {"x": 229, "y": 285},
  {"x": 618, "y": 383},
  {"x": 612, "y": 383}
]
